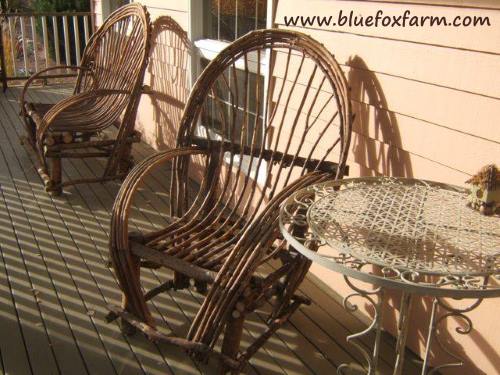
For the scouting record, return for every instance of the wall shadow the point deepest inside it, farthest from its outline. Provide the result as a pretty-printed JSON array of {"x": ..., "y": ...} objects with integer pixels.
[
  {"x": 376, "y": 139},
  {"x": 378, "y": 149},
  {"x": 168, "y": 79}
]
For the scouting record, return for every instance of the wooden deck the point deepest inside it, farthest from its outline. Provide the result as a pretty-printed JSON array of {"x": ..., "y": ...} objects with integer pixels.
[{"x": 54, "y": 283}]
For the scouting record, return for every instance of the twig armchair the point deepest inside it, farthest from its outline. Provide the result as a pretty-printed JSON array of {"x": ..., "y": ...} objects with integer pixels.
[
  {"x": 106, "y": 93},
  {"x": 248, "y": 154}
]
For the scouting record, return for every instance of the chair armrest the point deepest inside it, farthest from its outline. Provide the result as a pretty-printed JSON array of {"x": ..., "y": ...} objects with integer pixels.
[
  {"x": 38, "y": 75},
  {"x": 121, "y": 256},
  {"x": 121, "y": 207}
]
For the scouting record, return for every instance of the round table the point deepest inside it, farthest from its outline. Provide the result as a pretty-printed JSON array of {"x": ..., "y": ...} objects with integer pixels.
[{"x": 414, "y": 236}]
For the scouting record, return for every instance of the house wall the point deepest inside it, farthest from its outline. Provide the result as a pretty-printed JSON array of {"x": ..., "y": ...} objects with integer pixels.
[
  {"x": 103, "y": 8},
  {"x": 167, "y": 74},
  {"x": 426, "y": 102},
  {"x": 427, "y": 106}
]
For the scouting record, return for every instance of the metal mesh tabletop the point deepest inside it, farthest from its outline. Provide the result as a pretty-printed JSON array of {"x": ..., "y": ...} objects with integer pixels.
[
  {"x": 412, "y": 236},
  {"x": 421, "y": 235},
  {"x": 408, "y": 225}
]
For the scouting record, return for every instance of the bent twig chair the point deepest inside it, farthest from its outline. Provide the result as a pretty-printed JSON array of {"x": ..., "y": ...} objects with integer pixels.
[
  {"x": 248, "y": 155},
  {"x": 106, "y": 93}
]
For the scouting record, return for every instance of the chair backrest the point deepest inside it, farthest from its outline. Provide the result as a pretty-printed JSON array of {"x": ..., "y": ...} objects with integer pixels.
[
  {"x": 116, "y": 56},
  {"x": 261, "y": 134}
]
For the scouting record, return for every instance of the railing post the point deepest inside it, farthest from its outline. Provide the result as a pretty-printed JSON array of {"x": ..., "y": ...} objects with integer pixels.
[
  {"x": 45, "y": 36},
  {"x": 33, "y": 41},
  {"x": 67, "y": 55},
  {"x": 55, "y": 29},
  {"x": 76, "y": 35},
  {"x": 86, "y": 28},
  {"x": 3, "y": 73},
  {"x": 24, "y": 45},
  {"x": 12, "y": 46}
]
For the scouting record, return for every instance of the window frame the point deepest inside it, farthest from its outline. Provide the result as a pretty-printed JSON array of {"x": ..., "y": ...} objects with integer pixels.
[{"x": 208, "y": 49}]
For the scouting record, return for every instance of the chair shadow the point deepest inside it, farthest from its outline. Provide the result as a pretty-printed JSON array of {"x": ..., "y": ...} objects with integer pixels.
[
  {"x": 376, "y": 138},
  {"x": 377, "y": 147},
  {"x": 168, "y": 79}
]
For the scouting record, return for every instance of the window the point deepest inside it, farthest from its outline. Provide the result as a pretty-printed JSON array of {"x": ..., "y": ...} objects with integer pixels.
[
  {"x": 213, "y": 114},
  {"x": 229, "y": 19},
  {"x": 223, "y": 21}
]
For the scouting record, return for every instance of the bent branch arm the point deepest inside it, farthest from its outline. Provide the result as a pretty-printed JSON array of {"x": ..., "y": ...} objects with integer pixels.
[
  {"x": 120, "y": 255},
  {"x": 39, "y": 75}
]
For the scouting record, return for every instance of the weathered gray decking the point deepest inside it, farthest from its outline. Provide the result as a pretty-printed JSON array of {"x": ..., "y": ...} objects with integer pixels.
[{"x": 54, "y": 284}]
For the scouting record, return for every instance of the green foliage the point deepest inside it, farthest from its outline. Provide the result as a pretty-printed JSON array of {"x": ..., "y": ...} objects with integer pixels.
[
  {"x": 13, "y": 5},
  {"x": 61, "y": 5}
]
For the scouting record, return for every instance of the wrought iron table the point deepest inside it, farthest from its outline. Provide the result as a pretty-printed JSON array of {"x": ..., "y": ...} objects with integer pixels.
[{"x": 415, "y": 236}]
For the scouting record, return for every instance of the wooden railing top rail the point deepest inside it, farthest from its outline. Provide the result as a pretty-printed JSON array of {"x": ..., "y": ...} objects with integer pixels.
[
  {"x": 47, "y": 14},
  {"x": 30, "y": 44}
]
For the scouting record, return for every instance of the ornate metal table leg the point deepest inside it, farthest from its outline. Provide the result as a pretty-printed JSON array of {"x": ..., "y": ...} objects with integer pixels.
[
  {"x": 404, "y": 319},
  {"x": 378, "y": 329},
  {"x": 429, "y": 336},
  {"x": 375, "y": 298},
  {"x": 432, "y": 336}
]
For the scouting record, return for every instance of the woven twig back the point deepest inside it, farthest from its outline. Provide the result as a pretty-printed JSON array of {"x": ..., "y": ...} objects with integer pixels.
[{"x": 258, "y": 148}]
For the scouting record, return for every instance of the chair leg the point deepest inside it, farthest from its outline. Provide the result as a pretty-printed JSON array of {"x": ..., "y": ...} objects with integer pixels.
[
  {"x": 30, "y": 128},
  {"x": 56, "y": 176},
  {"x": 127, "y": 328},
  {"x": 126, "y": 162},
  {"x": 231, "y": 342}
]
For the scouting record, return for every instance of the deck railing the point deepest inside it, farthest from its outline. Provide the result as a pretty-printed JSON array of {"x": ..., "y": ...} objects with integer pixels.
[{"x": 31, "y": 42}]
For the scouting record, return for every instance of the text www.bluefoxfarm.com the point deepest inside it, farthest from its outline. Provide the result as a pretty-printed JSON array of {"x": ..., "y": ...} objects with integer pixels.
[{"x": 405, "y": 19}]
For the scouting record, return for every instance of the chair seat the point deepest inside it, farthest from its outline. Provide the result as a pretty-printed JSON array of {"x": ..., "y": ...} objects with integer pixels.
[
  {"x": 203, "y": 243},
  {"x": 76, "y": 118},
  {"x": 40, "y": 108}
]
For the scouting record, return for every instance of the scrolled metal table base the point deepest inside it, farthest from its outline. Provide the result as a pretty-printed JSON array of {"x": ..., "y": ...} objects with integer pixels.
[
  {"x": 375, "y": 298},
  {"x": 435, "y": 321}
]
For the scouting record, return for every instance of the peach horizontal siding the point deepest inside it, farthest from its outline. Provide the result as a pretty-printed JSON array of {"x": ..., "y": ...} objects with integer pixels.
[
  {"x": 468, "y": 38},
  {"x": 427, "y": 103}
]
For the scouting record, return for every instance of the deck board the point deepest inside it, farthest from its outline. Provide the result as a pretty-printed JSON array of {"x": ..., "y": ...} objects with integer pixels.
[
  {"x": 37, "y": 254},
  {"x": 56, "y": 285}
]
